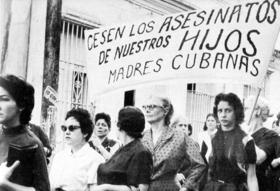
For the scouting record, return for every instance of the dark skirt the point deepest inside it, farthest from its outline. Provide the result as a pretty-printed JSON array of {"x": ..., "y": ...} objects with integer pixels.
[
  {"x": 276, "y": 184},
  {"x": 165, "y": 185},
  {"x": 220, "y": 186}
]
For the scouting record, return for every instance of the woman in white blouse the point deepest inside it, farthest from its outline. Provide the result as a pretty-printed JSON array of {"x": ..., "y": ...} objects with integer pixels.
[{"x": 75, "y": 168}]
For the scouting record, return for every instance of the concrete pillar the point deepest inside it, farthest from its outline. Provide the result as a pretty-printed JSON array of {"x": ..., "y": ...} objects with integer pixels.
[
  {"x": 36, "y": 54},
  {"x": 15, "y": 36},
  {"x": 5, "y": 19},
  {"x": 51, "y": 63}
]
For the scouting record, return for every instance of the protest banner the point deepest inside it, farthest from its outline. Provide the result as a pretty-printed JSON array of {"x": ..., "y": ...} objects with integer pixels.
[{"x": 230, "y": 44}]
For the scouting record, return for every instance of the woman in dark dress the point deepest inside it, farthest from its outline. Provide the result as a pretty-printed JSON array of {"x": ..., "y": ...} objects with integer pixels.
[
  {"x": 130, "y": 167},
  {"x": 16, "y": 103},
  {"x": 265, "y": 139},
  {"x": 275, "y": 170},
  {"x": 234, "y": 157}
]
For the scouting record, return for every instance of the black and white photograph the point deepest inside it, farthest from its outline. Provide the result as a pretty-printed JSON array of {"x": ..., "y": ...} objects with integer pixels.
[{"x": 140, "y": 95}]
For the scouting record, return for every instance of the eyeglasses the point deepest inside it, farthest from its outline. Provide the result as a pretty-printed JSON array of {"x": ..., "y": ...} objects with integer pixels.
[
  {"x": 182, "y": 125},
  {"x": 71, "y": 128},
  {"x": 151, "y": 107}
]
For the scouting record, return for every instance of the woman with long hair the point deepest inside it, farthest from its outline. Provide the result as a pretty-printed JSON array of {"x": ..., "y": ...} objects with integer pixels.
[
  {"x": 233, "y": 163},
  {"x": 170, "y": 147}
]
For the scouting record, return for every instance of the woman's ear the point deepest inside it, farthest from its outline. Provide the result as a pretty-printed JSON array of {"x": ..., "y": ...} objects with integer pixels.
[{"x": 166, "y": 109}]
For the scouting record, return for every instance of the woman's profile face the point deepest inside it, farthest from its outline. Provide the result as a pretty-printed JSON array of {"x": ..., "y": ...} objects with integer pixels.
[
  {"x": 154, "y": 110},
  {"x": 101, "y": 128},
  {"x": 73, "y": 134},
  {"x": 211, "y": 123},
  {"x": 9, "y": 111}
]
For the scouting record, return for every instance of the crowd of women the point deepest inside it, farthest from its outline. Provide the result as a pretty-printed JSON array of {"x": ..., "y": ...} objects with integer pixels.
[{"x": 225, "y": 157}]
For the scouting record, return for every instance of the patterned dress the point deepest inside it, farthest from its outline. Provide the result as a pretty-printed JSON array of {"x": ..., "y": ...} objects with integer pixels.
[{"x": 169, "y": 153}]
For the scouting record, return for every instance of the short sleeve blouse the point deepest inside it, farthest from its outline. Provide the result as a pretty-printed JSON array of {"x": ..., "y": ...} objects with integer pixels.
[
  {"x": 266, "y": 140},
  {"x": 130, "y": 165}
]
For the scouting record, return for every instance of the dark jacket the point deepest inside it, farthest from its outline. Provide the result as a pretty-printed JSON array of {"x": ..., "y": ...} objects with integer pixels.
[{"x": 26, "y": 147}]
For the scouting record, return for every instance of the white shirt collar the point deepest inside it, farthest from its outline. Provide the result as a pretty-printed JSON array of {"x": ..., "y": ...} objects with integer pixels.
[{"x": 82, "y": 151}]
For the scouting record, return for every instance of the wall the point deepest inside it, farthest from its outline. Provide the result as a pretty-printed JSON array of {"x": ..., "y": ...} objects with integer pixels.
[
  {"x": 14, "y": 46},
  {"x": 36, "y": 54}
]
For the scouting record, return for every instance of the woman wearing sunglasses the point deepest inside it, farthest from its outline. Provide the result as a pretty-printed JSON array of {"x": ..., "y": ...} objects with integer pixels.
[
  {"x": 170, "y": 147},
  {"x": 74, "y": 169},
  {"x": 20, "y": 144},
  {"x": 130, "y": 167}
]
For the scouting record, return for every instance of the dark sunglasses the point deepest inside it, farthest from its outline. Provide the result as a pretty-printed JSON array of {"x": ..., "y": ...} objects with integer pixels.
[{"x": 71, "y": 127}]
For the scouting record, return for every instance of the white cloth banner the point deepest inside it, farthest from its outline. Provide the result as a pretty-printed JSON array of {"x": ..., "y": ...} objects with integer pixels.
[{"x": 231, "y": 44}]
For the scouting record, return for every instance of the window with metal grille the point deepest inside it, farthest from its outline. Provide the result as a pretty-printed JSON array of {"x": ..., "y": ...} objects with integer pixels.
[
  {"x": 249, "y": 90},
  {"x": 79, "y": 89},
  {"x": 73, "y": 82}
]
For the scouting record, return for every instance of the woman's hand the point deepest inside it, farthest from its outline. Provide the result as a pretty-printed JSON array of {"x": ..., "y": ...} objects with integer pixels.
[
  {"x": 6, "y": 172},
  {"x": 180, "y": 177},
  {"x": 101, "y": 187},
  {"x": 96, "y": 141},
  {"x": 275, "y": 162}
]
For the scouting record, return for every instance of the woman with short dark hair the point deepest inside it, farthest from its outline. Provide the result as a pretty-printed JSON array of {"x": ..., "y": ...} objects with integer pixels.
[
  {"x": 75, "y": 167},
  {"x": 130, "y": 167},
  {"x": 16, "y": 103},
  {"x": 100, "y": 141}
]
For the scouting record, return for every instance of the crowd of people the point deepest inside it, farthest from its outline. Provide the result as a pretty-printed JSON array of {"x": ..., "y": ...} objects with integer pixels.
[{"x": 226, "y": 156}]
